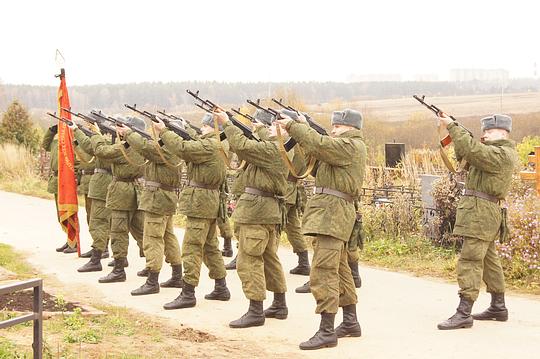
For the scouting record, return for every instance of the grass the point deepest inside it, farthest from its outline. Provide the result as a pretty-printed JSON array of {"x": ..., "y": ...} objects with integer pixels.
[{"x": 12, "y": 262}]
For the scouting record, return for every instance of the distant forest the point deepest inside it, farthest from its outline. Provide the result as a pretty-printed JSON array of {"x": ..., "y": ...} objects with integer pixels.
[{"x": 172, "y": 96}]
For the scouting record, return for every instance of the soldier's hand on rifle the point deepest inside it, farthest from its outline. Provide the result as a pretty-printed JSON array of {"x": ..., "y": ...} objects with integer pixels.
[
  {"x": 159, "y": 126},
  {"x": 72, "y": 125},
  {"x": 302, "y": 118},
  {"x": 221, "y": 116},
  {"x": 444, "y": 119},
  {"x": 122, "y": 130},
  {"x": 257, "y": 124},
  {"x": 283, "y": 121},
  {"x": 53, "y": 128}
]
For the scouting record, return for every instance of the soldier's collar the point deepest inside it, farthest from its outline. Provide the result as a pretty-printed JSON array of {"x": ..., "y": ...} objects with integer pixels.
[
  {"x": 351, "y": 134},
  {"x": 503, "y": 142}
]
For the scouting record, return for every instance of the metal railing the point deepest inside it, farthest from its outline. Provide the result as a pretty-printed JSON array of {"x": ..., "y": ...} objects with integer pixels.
[{"x": 36, "y": 316}]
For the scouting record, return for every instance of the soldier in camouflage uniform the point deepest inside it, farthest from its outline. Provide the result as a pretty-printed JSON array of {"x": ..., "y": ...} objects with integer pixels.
[
  {"x": 50, "y": 144},
  {"x": 199, "y": 202},
  {"x": 122, "y": 199},
  {"x": 100, "y": 215},
  {"x": 159, "y": 199},
  {"x": 330, "y": 217},
  {"x": 257, "y": 218},
  {"x": 479, "y": 218}
]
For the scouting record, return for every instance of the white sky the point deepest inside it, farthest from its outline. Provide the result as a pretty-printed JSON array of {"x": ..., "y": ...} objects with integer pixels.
[{"x": 118, "y": 41}]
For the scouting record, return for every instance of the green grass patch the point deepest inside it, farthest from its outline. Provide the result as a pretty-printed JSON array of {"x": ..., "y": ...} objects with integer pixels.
[
  {"x": 11, "y": 260},
  {"x": 30, "y": 186}
]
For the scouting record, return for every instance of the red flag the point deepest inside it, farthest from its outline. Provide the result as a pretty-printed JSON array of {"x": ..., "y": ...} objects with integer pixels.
[{"x": 67, "y": 182}]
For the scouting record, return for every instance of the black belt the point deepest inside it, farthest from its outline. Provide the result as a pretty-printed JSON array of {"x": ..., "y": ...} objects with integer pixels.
[
  {"x": 164, "y": 187},
  {"x": 333, "y": 192},
  {"x": 487, "y": 197},
  {"x": 102, "y": 170},
  {"x": 202, "y": 185},
  {"x": 258, "y": 192}
]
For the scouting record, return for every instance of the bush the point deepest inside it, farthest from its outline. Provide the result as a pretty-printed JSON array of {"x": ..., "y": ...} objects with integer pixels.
[
  {"x": 520, "y": 256},
  {"x": 526, "y": 146},
  {"x": 16, "y": 127}
]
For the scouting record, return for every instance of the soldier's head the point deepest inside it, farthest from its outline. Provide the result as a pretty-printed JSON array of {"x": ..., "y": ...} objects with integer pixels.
[
  {"x": 208, "y": 124},
  {"x": 136, "y": 122},
  {"x": 495, "y": 127},
  {"x": 346, "y": 120},
  {"x": 264, "y": 117}
]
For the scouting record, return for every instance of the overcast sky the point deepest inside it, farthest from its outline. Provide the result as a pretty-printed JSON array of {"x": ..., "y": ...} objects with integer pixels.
[{"x": 279, "y": 40}]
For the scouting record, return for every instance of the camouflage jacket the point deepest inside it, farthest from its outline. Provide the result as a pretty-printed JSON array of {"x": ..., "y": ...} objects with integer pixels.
[
  {"x": 122, "y": 193},
  {"x": 50, "y": 144},
  {"x": 491, "y": 166},
  {"x": 342, "y": 165},
  {"x": 157, "y": 200},
  {"x": 97, "y": 188},
  {"x": 85, "y": 168},
  {"x": 264, "y": 171},
  {"x": 205, "y": 165}
]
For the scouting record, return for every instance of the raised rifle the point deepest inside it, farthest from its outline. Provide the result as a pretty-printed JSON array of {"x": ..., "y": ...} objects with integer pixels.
[
  {"x": 314, "y": 125},
  {"x": 446, "y": 140},
  {"x": 182, "y": 120},
  {"x": 173, "y": 126},
  {"x": 85, "y": 130},
  {"x": 120, "y": 122},
  {"x": 103, "y": 127},
  {"x": 291, "y": 142},
  {"x": 244, "y": 115},
  {"x": 208, "y": 106}
]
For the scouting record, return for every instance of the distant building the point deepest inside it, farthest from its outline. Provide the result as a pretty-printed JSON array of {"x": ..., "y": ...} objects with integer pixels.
[
  {"x": 463, "y": 75},
  {"x": 374, "y": 78}
]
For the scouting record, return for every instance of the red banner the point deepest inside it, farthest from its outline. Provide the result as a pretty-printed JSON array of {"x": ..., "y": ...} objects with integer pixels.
[{"x": 67, "y": 181}]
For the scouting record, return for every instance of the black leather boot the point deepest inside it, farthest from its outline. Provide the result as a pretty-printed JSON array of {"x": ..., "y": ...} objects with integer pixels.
[
  {"x": 253, "y": 318},
  {"x": 227, "y": 248},
  {"x": 61, "y": 249},
  {"x": 304, "y": 289},
  {"x": 278, "y": 309},
  {"x": 118, "y": 274},
  {"x": 232, "y": 264},
  {"x": 94, "y": 265},
  {"x": 70, "y": 250},
  {"x": 496, "y": 311},
  {"x": 462, "y": 318},
  {"x": 143, "y": 273},
  {"x": 105, "y": 254},
  {"x": 151, "y": 286},
  {"x": 325, "y": 337},
  {"x": 350, "y": 326},
  {"x": 87, "y": 254},
  {"x": 176, "y": 278},
  {"x": 111, "y": 263},
  {"x": 355, "y": 274},
  {"x": 220, "y": 292},
  {"x": 303, "y": 267},
  {"x": 186, "y": 299}
]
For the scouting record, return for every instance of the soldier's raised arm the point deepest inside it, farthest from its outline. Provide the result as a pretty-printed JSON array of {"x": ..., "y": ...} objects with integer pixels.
[
  {"x": 83, "y": 141},
  {"x": 336, "y": 151},
  {"x": 483, "y": 156},
  {"x": 49, "y": 137}
]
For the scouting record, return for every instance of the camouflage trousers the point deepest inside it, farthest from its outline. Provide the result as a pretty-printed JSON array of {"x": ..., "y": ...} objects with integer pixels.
[
  {"x": 293, "y": 229},
  {"x": 200, "y": 245},
  {"x": 100, "y": 224},
  {"x": 87, "y": 207},
  {"x": 56, "y": 206},
  {"x": 331, "y": 280},
  {"x": 258, "y": 265},
  {"x": 159, "y": 240},
  {"x": 353, "y": 256},
  {"x": 224, "y": 226},
  {"x": 479, "y": 261},
  {"x": 122, "y": 224}
]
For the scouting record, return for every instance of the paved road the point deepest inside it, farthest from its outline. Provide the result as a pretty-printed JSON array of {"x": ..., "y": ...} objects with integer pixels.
[{"x": 398, "y": 312}]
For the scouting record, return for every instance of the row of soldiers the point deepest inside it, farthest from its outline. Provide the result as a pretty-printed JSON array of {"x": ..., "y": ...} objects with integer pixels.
[{"x": 136, "y": 188}]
